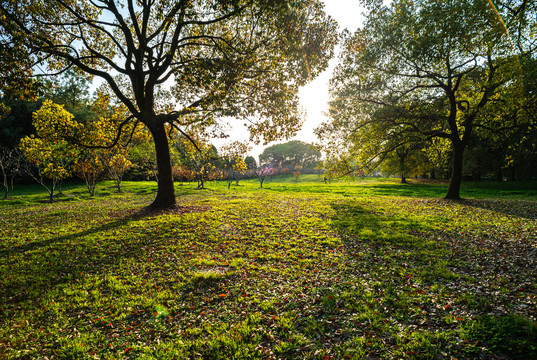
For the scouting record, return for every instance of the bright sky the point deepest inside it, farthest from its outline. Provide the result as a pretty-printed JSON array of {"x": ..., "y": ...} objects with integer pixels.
[{"x": 314, "y": 96}]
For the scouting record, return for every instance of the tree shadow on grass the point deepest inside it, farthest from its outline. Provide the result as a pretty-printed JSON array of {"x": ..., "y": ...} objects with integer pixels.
[
  {"x": 519, "y": 208},
  {"x": 410, "y": 189},
  {"x": 37, "y": 267},
  {"x": 123, "y": 219},
  {"x": 417, "y": 277},
  {"x": 36, "y": 245},
  {"x": 51, "y": 262}
]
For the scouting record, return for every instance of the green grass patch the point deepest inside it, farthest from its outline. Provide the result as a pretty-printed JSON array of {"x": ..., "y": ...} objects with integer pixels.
[
  {"x": 512, "y": 336},
  {"x": 298, "y": 270}
]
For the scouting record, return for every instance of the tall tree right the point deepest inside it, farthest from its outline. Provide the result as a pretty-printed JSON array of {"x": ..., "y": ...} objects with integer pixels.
[{"x": 420, "y": 70}]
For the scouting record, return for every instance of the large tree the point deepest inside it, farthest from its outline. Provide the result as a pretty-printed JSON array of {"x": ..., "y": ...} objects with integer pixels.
[
  {"x": 419, "y": 70},
  {"x": 15, "y": 66},
  {"x": 236, "y": 58}
]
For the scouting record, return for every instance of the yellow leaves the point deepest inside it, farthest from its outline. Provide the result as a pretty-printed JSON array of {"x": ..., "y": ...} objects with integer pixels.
[
  {"x": 4, "y": 110},
  {"x": 90, "y": 166},
  {"x": 33, "y": 148},
  {"x": 50, "y": 158},
  {"x": 53, "y": 122},
  {"x": 240, "y": 166},
  {"x": 50, "y": 151},
  {"x": 53, "y": 171},
  {"x": 233, "y": 155},
  {"x": 119, "y": 163}
]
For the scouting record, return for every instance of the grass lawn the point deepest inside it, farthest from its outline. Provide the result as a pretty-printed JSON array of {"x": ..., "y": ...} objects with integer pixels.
[{"x": 364, "y": 269}]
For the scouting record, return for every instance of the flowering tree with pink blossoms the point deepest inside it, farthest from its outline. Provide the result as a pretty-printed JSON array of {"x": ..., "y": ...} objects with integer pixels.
[{"x": 262, "y": 173}]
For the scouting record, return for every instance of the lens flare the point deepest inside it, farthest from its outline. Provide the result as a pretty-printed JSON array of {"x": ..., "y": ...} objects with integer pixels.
[{"x": 510, "y": 38}]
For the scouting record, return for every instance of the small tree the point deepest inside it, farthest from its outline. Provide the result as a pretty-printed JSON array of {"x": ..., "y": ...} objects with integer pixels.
[
  {"x": 46, "y": 161},
  {"x": 50, "y": 155},
  {"x": 114, "y": 160},
  {"x": 262, "y": 173},
  {"x": 404, "y": 160},
  {"x": 233, "y": 161},
  {"x": 199, "y": 156},
  {"x": 89, "y": 168},
  {"x": 10, "y": 166},
  {"x": 118, "y": 165},
  {"x": 297, "y": 171}
]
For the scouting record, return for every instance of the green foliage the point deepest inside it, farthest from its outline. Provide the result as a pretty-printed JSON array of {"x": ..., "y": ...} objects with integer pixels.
[
  {"x": 291, "y": 154},
  {"x": 405, "y": 161},
  {"x": 71, "y": 90},
  {"x": 250, "y": 162},
  {"x": 16, "y": 122},
  {"x": 418, "y": 70},
  {"x": 143, "y": 158}
]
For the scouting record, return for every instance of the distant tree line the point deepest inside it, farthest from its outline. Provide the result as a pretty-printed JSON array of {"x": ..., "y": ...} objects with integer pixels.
[{"x": 293, "y": 156}]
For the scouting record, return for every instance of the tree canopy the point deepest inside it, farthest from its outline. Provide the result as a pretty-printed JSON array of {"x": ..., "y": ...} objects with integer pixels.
[
  {"x": 416, "y": 71},
  {"x": 183, "y": 64},
  {"x": 291, "y": 154}
]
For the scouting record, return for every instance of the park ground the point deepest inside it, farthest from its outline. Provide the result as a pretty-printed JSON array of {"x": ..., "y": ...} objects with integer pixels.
[{"x": 357, "y": 269}]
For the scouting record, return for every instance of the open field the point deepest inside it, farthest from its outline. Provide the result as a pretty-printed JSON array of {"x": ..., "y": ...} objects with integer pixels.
[{"x": 365, "y": 269}]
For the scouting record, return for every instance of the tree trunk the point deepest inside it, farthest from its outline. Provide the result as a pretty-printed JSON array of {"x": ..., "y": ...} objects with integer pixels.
[
  {"x": 60, "y": 188},
  {"x": 118, "y": 184},
  {"x": 51, "y": 192},
  {"x": 512, "y": 173},
  {"x": 166, "y": 192},
  {"x": 6, "y": 187},
  {"x": 402, "y": 156},
  {"x": 456, "y": 174}
]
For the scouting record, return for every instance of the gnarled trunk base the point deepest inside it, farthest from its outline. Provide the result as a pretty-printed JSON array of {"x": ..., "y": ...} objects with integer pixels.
[{"x": 456, "y": 175}]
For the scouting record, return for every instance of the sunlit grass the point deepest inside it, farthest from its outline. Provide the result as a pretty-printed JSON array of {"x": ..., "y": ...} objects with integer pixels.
[{"x": 298, "y": 270}]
